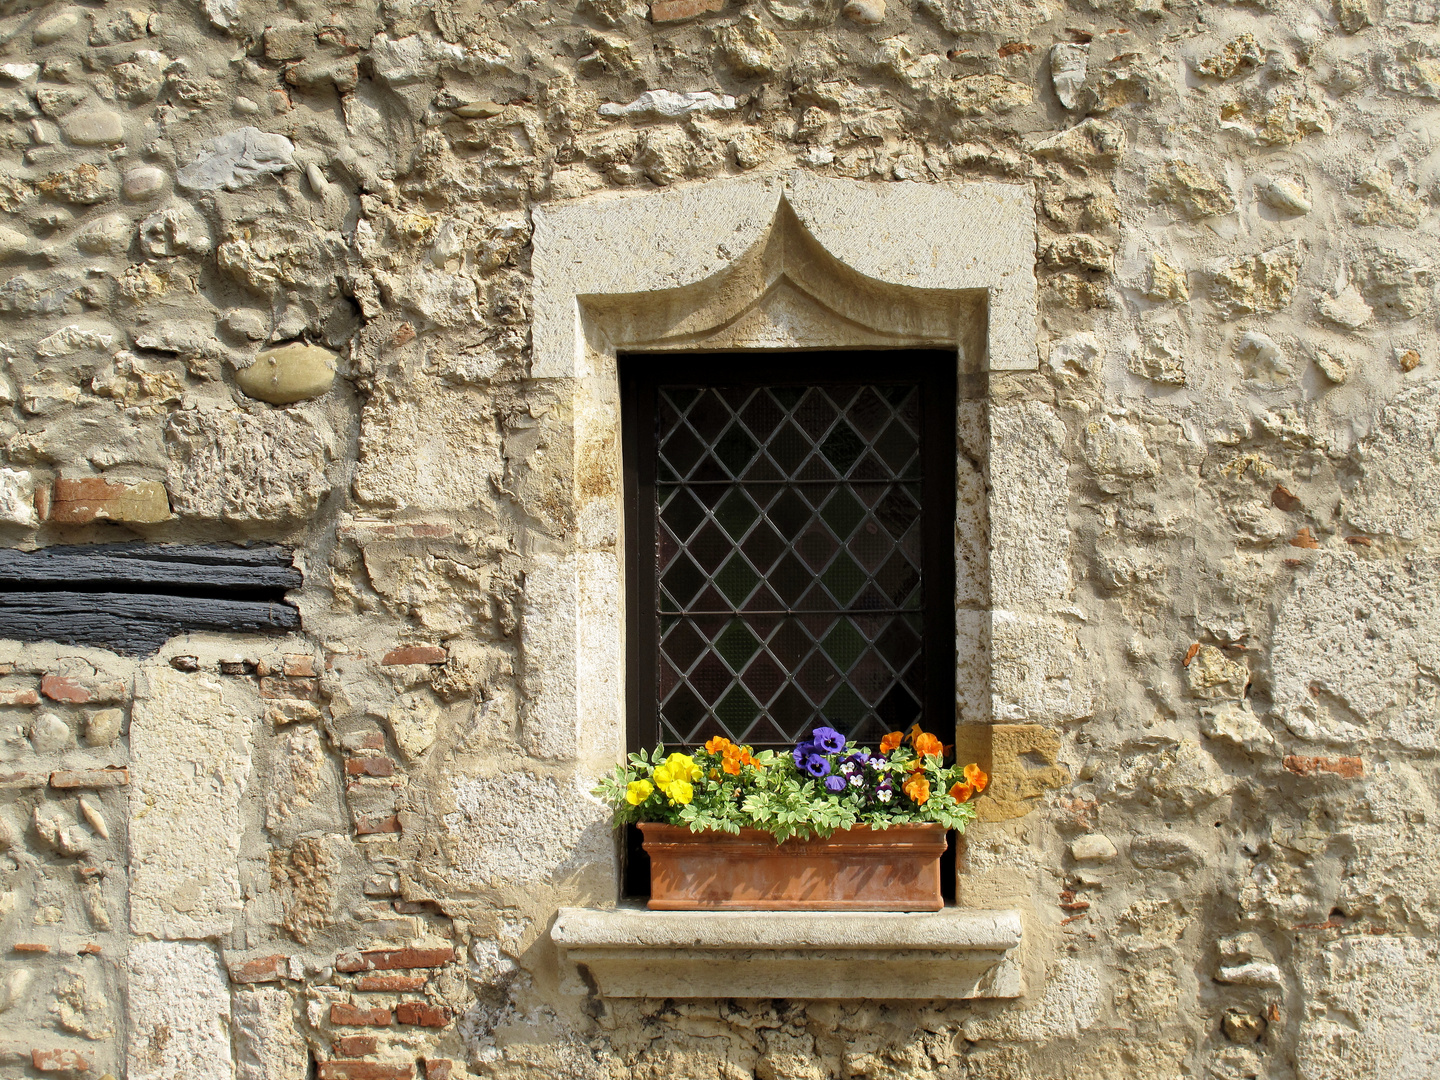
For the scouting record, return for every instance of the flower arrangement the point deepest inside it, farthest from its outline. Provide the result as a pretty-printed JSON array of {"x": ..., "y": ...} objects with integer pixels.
[{"x": 822, "y": 785}]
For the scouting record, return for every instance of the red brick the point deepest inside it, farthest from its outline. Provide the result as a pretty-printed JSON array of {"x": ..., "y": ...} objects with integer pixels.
[
  {"x": 369, "y": 766},
  {"x": 341, "y": 1013},
  {"x": 415, "y": 654},
  {"x": 260, "y": 969},
  {"x": 281, "y": 686},
  {"x": 60, "y": 688},
  {"x": 90, "y": 949},
  {"x": 391, "y": 983},
  {"x": 1348, "y": 767},
  {"x": 58, "y": 1060},
  {"x": 422, "y": 1015},
  {"x": 42, "y": 502},
  {"x": 438, "y": 1068},
  {"x": 394, "y": 959},
  {"x": 92, "y": 498},
  {"x": 364, "y": 1070},
  {"x": 19, "y": 697},
  {"x": 354, "y": 1045},
  {"x": 30, "y": 946},
  {"x": 674, "y": 10},
  {"x": 91, "y": 778},
  {"x": 302, "y": 664},
  {"x": 369, "y": 826}
]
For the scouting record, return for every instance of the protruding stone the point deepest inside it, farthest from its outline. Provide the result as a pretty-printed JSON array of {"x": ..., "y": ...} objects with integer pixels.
[
  {"x": 237, "y": 159},
  {"x": 56, "y": 27},
  {"x": 1284, "y": 194},
  {"x": 15, "y": 988},
  {"x": 17, "y": 497},
  {"x": 1069, "y": 64},
  {"x": 1093, "y": 847},
  {"x": 865, "y": 12},
  {"x": 103, "y": 727},
  {"x": 289, "y": 373},
  {"x": 94, "y": 818},
  {"x": 143, "y": 183},
  {"x": 668, "y": 103},
  {"x": 662, "y": 11},
  {"x": 1346, "y": 308},
  {"x": 94, "y": 127},
  {"x": 12, "y": 243},
  {"x": 1333, "y": 367},
  {"x": 109, "y": 235},
  {"x": 49, "y": 734}
]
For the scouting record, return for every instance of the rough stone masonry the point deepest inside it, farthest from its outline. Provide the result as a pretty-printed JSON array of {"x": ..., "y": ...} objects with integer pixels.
[{"x": 267, "y": 276}]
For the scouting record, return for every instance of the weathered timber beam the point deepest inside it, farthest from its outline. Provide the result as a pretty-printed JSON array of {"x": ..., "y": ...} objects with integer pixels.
[
  {"x": 131, "y": 623},
  {"x": 152, "y": 567}
]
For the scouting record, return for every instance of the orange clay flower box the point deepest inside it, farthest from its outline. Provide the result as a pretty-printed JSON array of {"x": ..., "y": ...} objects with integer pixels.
[
  {"x": 828, "y": 826},
  {"x": 854, "y": 869}
]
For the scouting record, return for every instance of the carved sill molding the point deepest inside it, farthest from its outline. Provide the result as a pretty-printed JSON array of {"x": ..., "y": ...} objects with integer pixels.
[{"x": 629, "y": 952}]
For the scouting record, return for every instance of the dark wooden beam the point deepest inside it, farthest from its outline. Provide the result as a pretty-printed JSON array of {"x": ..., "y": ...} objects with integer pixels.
[{"x": 151, "y": 568}]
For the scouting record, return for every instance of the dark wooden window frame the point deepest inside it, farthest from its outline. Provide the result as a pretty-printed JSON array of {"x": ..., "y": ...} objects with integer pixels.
[{"x": 641, "y": 373}]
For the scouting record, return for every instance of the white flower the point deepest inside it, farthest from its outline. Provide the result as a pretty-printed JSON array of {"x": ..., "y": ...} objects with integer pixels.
[{"x": 883, "y": 795}]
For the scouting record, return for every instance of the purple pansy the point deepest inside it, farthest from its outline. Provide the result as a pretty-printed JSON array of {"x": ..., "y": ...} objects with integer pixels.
[
  {"x": 816, "y": 765},
  {"x": 828, "y": 739},
  {"x": 801, "y": 752},
  {"x": 835, "y": 784}
]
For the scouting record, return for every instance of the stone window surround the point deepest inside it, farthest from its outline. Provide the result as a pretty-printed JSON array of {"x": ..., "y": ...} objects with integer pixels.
[{"x": 774, "y": 263}]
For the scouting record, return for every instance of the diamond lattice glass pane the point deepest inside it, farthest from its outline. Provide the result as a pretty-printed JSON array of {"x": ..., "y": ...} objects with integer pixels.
[
  {"x": 843, "y": 644},
  {"x": 763, "y": 546},
  {"x": 736, "y": 580},
  {"x": 788, "y": 449},
  {"x": 796, "y": 499},
  {"x": 735, "y": 449},
  {"x": 737, "y": 644},
  {"x": 736, "y": 512},
  {"x": 842, "y": 447},
  {"x": 708, "y": 416},
  {"x": 844, "y": 708},
  {"x": 843, "y": 512},
  {"x": 844, "y": 578},
  {"x": 737, "y": 711},
  {"x": 762, "y": 415},
  {"x": 710, "y": 548},
  {"x": 815, "y": 414},
  {"x": 682, "y": 580},
  {"x": 681, "y": 451},
  {"x": 683, "y": 645},
  {"x": 680, "y": 512},
  {"x": 788, "y": 513}
]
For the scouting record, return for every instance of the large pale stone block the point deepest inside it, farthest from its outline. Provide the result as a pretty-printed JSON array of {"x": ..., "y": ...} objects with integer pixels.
[
  {"x": 1372, "y": 681},
  {"x": 1029, "y": 507},
  {"x": 520, "y": 829},
  {"x": 190, "y": 741},
  {"x": 179, "y": 1011},
  {"x": 1372, "y": 1010},
  {"x": 268, "y": 1046},
  {"x": 1038, "y": 670},
  {"x": 549, "y": 640}
]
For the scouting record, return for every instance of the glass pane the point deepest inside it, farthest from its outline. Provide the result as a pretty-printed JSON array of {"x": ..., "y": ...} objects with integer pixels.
[{"x": 788, "y": 548}]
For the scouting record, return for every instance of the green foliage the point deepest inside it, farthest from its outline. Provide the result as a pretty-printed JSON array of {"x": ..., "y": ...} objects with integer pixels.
[{"x": 725, "y": 788}]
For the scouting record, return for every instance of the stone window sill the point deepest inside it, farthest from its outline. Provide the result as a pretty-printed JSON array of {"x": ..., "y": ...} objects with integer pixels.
[{"x": 630, "y": 952}]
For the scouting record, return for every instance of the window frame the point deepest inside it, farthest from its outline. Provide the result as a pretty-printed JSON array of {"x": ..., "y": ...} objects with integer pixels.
[{"x": 935, "y": 370}]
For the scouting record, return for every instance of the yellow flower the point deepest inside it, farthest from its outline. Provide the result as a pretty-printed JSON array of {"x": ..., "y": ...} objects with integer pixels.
[
  {"x": 637, "y": 791},
  {"x": 665, "y": 776},
  {"x": 680, "y": 792},
  {"x": 682, "y": 767}
]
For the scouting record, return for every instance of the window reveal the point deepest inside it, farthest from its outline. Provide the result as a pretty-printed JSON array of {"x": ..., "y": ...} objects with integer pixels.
[{"x": 791, "y": 546}]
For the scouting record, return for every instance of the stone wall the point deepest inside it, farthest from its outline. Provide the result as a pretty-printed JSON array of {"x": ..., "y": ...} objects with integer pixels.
[{"x": 267, "y": 275}]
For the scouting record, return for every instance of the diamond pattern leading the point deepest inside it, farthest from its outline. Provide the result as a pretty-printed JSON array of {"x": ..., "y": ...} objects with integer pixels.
[{"x": 788, "y": 559}]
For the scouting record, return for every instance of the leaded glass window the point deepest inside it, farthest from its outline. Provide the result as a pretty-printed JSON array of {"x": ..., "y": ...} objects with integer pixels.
[{"x": 790, "y": 533}]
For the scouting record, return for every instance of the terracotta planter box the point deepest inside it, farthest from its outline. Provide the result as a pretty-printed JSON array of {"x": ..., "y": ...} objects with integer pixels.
[{"x": 894, "y": 869}]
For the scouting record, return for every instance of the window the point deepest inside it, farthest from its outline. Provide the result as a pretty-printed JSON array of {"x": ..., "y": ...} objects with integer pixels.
[{"x": 790, "y": 544}]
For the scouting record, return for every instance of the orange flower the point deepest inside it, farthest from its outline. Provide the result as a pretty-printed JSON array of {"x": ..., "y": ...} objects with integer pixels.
[
  {"x": 731, "y": 765},
  {"x": 891, "y": 741},
  {"x": 976, "y": 777},
  {"x": 927, "y": 744},
  {"x": 918, "y": 788},
  {"x": 915, "y": 733},
  {"x": 717, "y": 745},
  {"x": 961, "y": 792}
]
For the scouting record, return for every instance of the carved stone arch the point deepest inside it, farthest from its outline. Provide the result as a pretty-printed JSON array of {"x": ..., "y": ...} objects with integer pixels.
[{"x": 786, "y": 291}]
